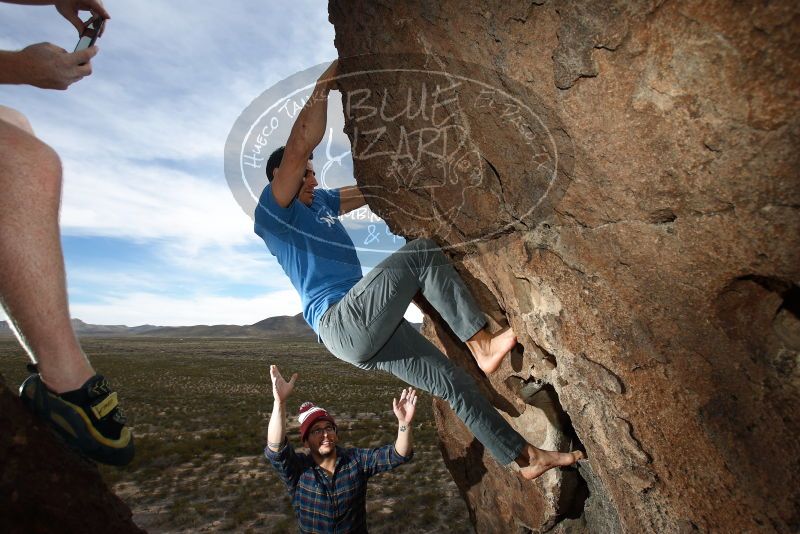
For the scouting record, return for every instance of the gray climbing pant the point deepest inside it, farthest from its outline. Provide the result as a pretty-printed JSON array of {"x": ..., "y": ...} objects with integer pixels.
[{"x": 366, "y": 328}]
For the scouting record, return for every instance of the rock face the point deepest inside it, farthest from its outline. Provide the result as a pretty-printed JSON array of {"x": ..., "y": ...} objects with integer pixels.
[
  {"x": 45, "y": 488},
  {"x": 618, "y": 181}
]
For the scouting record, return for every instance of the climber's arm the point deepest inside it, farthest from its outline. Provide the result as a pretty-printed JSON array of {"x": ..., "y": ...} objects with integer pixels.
[
  {"x": 306, "y": 133},
  {"x": 350, "y": 198}
]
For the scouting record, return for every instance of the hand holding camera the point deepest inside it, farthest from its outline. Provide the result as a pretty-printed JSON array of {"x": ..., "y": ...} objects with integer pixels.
[
  {"x": 69, "y": 10},
  {"x": 48, "y": 66}
]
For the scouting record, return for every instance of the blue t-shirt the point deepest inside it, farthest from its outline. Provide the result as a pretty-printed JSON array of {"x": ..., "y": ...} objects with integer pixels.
[{"x": 312, "y": 246}]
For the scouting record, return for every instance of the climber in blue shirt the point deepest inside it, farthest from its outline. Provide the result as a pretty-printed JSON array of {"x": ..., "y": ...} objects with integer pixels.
[{"x": 360, "y": 318}]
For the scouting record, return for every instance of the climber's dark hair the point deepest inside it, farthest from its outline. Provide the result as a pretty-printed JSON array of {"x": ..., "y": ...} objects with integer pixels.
[{"x": 274, "y": 162}]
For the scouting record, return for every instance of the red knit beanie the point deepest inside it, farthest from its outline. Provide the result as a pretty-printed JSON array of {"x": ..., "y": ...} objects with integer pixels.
[{"x": 310, "y": 414}]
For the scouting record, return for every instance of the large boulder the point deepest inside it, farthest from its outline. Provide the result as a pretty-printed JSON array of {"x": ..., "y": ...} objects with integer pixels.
[
  {"x": 618, "y": 182},
  {"x": 46, "y": 488}
]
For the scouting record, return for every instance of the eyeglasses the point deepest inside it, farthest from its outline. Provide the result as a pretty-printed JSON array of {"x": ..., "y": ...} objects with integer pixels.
[{"x": 324, "y": 430}]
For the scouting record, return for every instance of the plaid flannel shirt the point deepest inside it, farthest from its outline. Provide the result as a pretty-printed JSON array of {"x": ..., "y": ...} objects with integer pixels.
[{"x": 338, "y": 503}]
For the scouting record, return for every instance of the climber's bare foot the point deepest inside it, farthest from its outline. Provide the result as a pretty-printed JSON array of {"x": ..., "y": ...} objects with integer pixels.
[
  {"x": 533, "y": 461},
  {"x": 489, "y": 350}
]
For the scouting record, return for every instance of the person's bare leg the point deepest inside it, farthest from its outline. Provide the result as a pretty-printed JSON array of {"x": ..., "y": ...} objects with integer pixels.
[
  {"x": 489, "y": 350},
  {"x": 534, "y": 461},
  {"x": 32, "y": 285}
]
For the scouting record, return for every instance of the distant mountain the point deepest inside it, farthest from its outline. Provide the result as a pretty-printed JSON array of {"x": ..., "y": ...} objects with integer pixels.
[
  {"x": 289, "y": 325},
  {"x": 281, "y": 326},
  {"x": 86, "y": 329}
]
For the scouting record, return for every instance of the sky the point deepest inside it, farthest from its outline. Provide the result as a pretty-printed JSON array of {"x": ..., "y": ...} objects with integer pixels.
[{"x": 151, "y": 231}]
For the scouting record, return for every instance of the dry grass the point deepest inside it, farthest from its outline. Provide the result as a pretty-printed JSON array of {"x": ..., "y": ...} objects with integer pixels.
[{"x": 200, "y": 407}]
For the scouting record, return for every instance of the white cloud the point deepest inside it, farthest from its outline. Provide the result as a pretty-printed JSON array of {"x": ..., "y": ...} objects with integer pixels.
[
  {"x": 87, "y": 282},
  {"x": 211, "y": 270},
  {"x": 149, "y": 202},
  {"x": 7, "y": 43},
  {"x": 142, "y": 143},
  {"x": 413, "y": 314},
  {"x": 151, "y": 308},
  {"x": 227, "y": 264},
  {"x": 139, "y": 308},
  {"x": 169, "y": 81}
]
